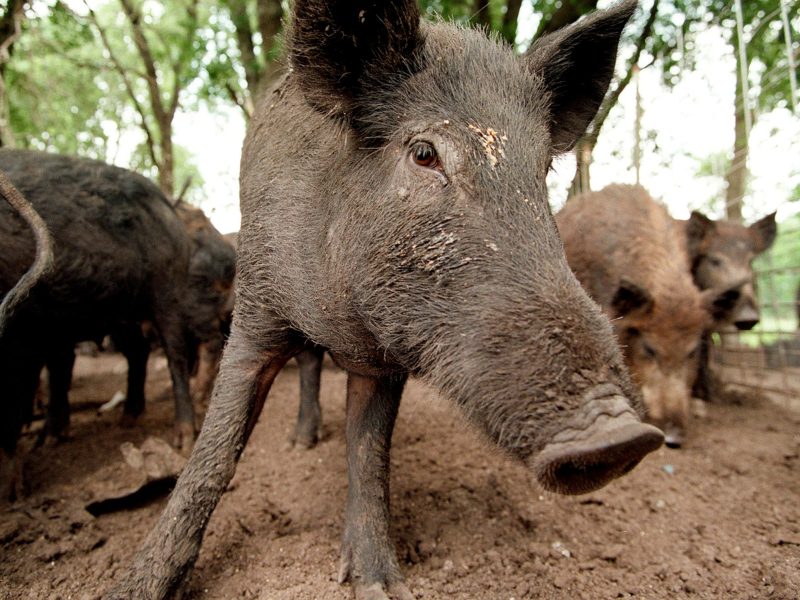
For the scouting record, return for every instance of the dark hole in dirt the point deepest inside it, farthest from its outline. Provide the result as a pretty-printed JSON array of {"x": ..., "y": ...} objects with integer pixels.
[{"x": 152, "y": 490}]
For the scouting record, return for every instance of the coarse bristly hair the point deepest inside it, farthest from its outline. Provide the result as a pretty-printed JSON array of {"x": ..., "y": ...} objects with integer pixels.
[
  {"x": 394, "y": 213},
  {"x": 410, "y": 268}
]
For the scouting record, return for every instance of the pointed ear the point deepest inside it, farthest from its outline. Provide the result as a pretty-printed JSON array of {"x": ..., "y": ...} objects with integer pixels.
[
  {"x": 721, "y": 303},
  {"x": 577, "y": 63},
  {"x": 631, "y": 298},
  {"x": 335, "y": 46},
  {"x": 763, "y": 233},
  {"x": 698, "y": 227}
]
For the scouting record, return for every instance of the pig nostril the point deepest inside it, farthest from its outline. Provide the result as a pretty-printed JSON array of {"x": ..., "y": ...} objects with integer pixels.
[
  {"x": 583, "y": 466},
  {"x": 746, "y": 325},
  {"x": 574, "y": 476},
  {"x": 673, "y": 437}
]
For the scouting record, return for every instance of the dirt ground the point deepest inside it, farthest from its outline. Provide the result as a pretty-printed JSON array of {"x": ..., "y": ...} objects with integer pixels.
[{"x": 717, "y": 519}]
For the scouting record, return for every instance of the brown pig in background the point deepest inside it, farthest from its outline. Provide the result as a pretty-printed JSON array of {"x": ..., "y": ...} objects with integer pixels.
[{"x": 629, "y": 254}]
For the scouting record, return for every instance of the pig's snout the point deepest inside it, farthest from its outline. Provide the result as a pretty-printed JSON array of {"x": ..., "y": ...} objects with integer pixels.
[
  {"x": 609, "y": 442},
  {"x": 746, "y": 320},
  {"x": 673, "y": 436}
]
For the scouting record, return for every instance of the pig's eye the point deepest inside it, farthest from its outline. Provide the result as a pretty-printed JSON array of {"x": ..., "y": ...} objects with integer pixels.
[
  {"x": 648, "y": 350},
  {"x": 424, "y": 155},
  {"x": 714, "y": 261}
]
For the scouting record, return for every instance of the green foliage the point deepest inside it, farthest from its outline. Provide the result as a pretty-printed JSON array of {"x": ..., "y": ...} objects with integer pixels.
[
  {"x": 224, "y": 73},
  {"x": 57, "y": 98},
  {"x": 185, "y": 170},
  {"x": 66, "y": 96},
  {"x": 679, "y": 22}
]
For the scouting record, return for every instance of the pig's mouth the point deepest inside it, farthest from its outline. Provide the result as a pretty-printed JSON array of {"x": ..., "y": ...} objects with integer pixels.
[{"x": 580, "y": 461}]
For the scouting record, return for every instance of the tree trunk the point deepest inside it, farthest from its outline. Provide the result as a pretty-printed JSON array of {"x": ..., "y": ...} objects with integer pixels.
[
  {"x": 736, "y": 177},
  {"x": 583, "y": 158},
  {"x": 10, "y": 29},
  {"x": 166, "y": 166},
  {"x": 270, "y": 13},
  {"x": 480, "y": 13},
  {"x": 7, "y": 138},
  {"x": 586, "y": 144},
  {"x": 244, "y": 41}
]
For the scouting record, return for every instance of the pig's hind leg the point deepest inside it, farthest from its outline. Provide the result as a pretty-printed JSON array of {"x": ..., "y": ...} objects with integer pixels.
[
  {"x": 60, "y": 362},
  {"x": 309, "y": 418},
  {"x": 368, "y": 556}
]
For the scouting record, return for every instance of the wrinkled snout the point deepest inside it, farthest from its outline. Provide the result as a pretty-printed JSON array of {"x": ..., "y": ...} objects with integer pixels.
[
  {"x": 607, "y": 442},
  {"x": 673, "y": 435},
  {"x": 746, "y": 317}
]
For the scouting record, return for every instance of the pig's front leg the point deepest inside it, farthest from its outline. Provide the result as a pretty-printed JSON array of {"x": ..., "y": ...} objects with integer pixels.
[
  {"x": 368, "y": 556},
  {"x": 166, "y": 557}
]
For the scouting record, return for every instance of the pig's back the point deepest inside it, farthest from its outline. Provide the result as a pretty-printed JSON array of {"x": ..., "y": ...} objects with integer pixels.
[{"x": 621, "y": 232}]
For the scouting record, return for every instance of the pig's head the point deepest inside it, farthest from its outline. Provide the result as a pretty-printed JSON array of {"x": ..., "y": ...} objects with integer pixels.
[
  {"x": 441, "y": 223},
  {"x": 212, "y": 267},
  {"x": 721, "y": 254},
  {"x": 661, "y": 332}
]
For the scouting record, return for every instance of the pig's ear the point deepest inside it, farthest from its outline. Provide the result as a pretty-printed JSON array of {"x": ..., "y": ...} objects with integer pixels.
[
  {"x": 763, "y": 233},
  {"x": 577, "y": 63},
  {"x": 698, "y": 227},
  {"x": 631, "y": 298},
  {"x": 721, "y": 304},
  {"x": 338, "y": 46}
]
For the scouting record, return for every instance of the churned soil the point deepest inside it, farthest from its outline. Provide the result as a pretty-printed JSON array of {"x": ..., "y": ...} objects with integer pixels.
[{"x": 717, "y": 519}]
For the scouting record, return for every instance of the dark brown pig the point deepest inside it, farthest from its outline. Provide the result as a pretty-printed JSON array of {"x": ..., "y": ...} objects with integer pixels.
[
  {"x": 120, "y": 258},
  {"x": 721, "y": 256},
  {"x": 212, "y": 267},
  {"x": 629, "y": 255},
  {"x": 394, "y": 213},
  {"x": 208, "y": 307},
  {"x": 14, "y": 295}
]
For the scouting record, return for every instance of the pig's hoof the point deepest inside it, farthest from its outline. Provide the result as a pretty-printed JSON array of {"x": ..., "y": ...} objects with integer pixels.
[
  {"x": 183, "y": 438},
  {"x": 390, "y": 588},
  {"x": 12, "y": 481},
  {"x": 303, "y": 442},
  {"x": 699, "y": 409},
  {"x": 48, "y": 440},
  {"x": 377, "y": 591}
]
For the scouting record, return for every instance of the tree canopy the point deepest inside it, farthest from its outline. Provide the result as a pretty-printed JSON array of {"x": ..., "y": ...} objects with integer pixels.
[{"x": 85, "y": 78}]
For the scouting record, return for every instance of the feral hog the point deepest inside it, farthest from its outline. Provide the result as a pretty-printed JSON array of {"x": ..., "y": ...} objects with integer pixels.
[
  {"x": 628, "y": 253},
  {"x": 721, "y": 256},
  {"x": 11, "y": 465},
  {"x": 121, "y": 257},
  {"x": 212, "y": 268},
  {"x": 208, "y": 307},
  {"x": 394, "y": 213}
]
